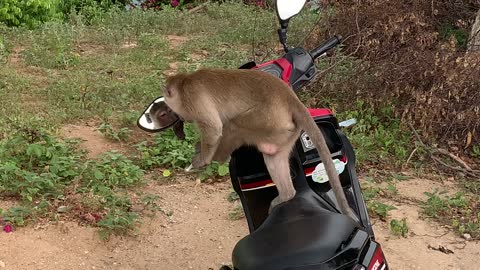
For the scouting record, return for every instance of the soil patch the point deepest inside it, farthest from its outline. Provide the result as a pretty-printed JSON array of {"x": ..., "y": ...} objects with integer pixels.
[
  {"x": 198, "y": 235},
  {"x": 92, "y": 140}
]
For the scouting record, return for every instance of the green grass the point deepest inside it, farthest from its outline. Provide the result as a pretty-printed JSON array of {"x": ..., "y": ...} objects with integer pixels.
[
  {"x": 399, "y": 227},
  {"x": 461, "y": 211},
  {"x": 108, "y": 67}
]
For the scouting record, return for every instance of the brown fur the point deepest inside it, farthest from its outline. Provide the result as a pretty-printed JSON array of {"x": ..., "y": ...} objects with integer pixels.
[{"x": 236, "y": 107}]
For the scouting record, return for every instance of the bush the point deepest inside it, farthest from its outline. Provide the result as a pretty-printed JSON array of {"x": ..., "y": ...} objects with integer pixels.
[
  {"x": 412, "y": 58},
  {"x": 90, "y": 9},
  {"x": 28, "y": 12},
  {"x": 34, "y": 165}
]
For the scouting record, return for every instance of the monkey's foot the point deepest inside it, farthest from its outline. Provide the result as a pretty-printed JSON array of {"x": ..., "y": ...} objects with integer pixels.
[
  {"x": 198, "y": 161},
  {"x": 276, "y": 201},
  {"x": 352, "y": 215}
]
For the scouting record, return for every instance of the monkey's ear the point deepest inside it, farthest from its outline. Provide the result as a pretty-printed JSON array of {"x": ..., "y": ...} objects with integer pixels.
[{"x": 178, "y": 130}]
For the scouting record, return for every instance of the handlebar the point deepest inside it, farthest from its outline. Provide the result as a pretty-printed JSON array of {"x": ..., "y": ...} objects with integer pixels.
[{"x": 329, "y": 44}]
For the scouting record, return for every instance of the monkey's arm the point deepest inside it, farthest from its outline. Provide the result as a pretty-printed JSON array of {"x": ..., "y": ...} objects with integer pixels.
[{"x": 211, "y": 132}]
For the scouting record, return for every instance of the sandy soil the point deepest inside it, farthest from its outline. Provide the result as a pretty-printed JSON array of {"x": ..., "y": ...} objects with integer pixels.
[{"x": 199, "y": 235}]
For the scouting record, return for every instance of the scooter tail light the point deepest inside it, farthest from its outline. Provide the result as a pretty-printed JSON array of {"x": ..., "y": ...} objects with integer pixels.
[{"x": 378, "y": 260}]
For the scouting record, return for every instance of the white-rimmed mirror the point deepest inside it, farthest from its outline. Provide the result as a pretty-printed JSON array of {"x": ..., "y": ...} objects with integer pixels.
[
  {"x": 289, "y": 8},
  {"x": 157, "y": 116}
]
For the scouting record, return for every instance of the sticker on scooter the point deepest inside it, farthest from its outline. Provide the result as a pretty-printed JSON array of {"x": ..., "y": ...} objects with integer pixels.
[
  {"x": 319, "y": 175},
  {"x": 306, "y": 142}
]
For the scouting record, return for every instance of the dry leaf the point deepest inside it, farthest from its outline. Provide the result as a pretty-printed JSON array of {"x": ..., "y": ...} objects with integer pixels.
[{"x": 469, "y": 139}]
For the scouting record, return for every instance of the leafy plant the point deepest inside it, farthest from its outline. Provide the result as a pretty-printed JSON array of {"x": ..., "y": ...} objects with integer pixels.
[
  {"x": 34, "y": 165},
  {"x": 110, "y": 132},
  {"x": 379, "y": 209},
  {"x": 18, "y": 215},
  {"x": 436, "y": 205},
  {"x": 114, "y": 170},
  {"x": 458, "y": 211},
  {"x": 476, "y": 151},
  {"x": 213, "y": 170},
  {"x": 377, "y": 137},
  {"x": 399, "y": 227},
  {"x": 3, "y": 50},
  {"x": 168, "y": 150},
  {"x": 233, "y": 196},
  {"x": 28, "y": 12},
  {"x": 117, "y": 221},
  {"x": 236, "y": 213},
  {"x": 460, "y": 35},
  {"x": 161, "y": 4}
]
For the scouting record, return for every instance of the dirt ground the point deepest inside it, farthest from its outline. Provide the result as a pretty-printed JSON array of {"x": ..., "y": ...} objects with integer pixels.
[{"x": 199, "y": 234}]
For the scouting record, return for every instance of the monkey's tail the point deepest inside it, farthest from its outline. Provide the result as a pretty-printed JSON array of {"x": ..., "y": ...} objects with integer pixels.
[{"x": 302, "y": 118}]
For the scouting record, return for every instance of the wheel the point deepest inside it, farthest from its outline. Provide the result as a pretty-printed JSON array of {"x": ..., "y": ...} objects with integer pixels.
[{"x": 224, "y": 267}]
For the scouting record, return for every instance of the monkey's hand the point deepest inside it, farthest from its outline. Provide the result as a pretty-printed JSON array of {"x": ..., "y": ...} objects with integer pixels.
[{"x": 199, "y": 161}]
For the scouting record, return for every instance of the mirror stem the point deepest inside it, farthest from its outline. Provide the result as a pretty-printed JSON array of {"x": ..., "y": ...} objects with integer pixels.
[{"x": 282, "y": 34}]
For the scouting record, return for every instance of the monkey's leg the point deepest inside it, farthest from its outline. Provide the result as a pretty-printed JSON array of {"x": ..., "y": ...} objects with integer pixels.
[
  {"x": 211, "y": 132},
  {"x": 228, "y": 144},
  {"x": 279, "y": 169}
]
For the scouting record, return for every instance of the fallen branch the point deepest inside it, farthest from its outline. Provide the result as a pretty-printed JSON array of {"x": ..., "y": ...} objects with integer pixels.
[
  {"x": 467, "y": 170},
  {"x": 197, "y": 8},
  {"x": 457, "y": 159},
  {"x": 411, "y": 155}
]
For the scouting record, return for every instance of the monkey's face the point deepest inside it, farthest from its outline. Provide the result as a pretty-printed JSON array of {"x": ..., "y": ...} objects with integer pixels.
[{"x": 162, "y": 116}]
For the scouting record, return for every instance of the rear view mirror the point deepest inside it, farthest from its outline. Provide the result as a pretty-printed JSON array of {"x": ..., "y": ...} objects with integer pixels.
[
  {"x": 157, "y": 116},
  {"x": 289, "y": 8}
]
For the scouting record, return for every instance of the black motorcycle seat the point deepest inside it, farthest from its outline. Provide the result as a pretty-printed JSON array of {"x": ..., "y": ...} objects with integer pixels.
[{"x": 298, "y": 232}]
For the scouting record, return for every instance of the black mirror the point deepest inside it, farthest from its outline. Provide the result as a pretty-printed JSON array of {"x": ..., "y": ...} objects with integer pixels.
[{"x": 157, "y": 116}]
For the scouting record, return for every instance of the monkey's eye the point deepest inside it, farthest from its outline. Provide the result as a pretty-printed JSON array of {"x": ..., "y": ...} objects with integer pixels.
[
  {"x": 162, "y": 114},
  {"x": 149, "y": 119}
]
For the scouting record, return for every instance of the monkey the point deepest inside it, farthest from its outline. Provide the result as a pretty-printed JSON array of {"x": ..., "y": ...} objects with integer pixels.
[
  {"x": 239, "y": 107},
  {"x": 161, "y": 115}
]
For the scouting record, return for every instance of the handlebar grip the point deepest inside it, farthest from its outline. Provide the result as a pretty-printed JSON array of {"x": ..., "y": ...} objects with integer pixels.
[{"x": 329, "y": 44}]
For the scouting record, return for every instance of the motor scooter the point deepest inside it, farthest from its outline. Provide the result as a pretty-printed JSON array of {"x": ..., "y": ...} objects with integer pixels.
[{"x": 308, "y": 232}]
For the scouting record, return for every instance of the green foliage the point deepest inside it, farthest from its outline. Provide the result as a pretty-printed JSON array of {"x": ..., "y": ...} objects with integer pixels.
[
  {"x": 377, "y": 137},
  {"x": 379, "y": 209},
  {"x": 114, "y": 170},
  {"x": 28, "y": 12},
  {"x": 111, "y": 133},
  {"x": 436, "y": 205},
  {"x": 3, "y": 50},
  {"x": 236, "y": 213},
  {"x": 168, "y": 150},
  {"x": 58, "y": 40},
  {"x": 460, "y": 35},
  {"x": 458, "y": 211},
  {"x": 18, "y": 215},
  {"x": 476, "y": 151},
  {"x": 34, "y": 165},
  {"x": 90, "y": 9},
  {"x": 213, "y": 170},
  {"x": 399, "y": 227},
  {"x": 233, "y": 196},
  {"x": 117, "y": 221}
]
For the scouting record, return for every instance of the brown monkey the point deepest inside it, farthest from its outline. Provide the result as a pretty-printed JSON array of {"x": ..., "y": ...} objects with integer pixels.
[
  {"x": 236, "y": 107},
  {"x": 161, "y": 115}
]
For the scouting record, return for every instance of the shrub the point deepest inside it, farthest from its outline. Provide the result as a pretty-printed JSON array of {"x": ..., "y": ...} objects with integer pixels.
[
  {"x": 34, "y": 165},
  {"x": 28, "y": 12},
  {"x": 412, "y": 58}
]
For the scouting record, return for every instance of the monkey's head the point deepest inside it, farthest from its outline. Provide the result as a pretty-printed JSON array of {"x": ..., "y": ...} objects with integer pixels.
[{"x": 162, "y": 116}]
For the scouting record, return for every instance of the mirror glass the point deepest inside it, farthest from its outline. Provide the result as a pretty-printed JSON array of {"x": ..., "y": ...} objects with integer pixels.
[
  {"x": 289, "y": 8},
  {"x": 157, "y": 116}
]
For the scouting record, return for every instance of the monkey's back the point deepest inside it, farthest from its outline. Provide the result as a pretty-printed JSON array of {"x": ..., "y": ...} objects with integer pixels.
[{"x": 247, "y": 100}]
